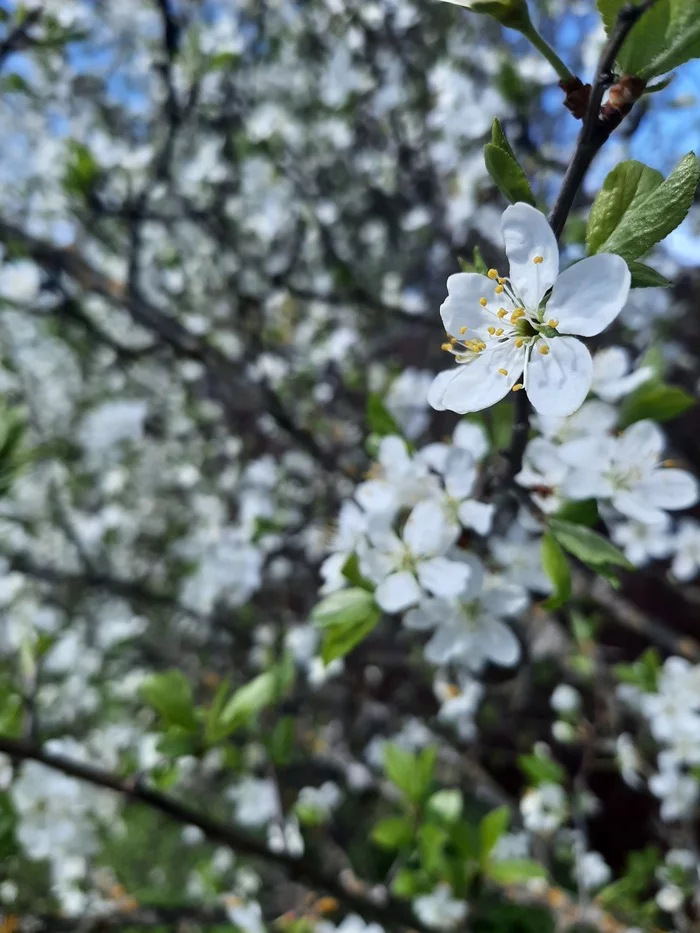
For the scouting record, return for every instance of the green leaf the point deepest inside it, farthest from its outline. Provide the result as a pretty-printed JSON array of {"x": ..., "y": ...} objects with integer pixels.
[
  {"x": 351, "y": 572},
  {"x": 253, "y": 697},
  {"x": 515, "y": 871},
  {"x": 500, "y": 140},
  {"x": 412, "y": 774},
  {"x": 446, "y": 805},
  {"x": 395, "y": 832},
  {"x": 556, "y": 567},
  {"x": 509, "y": 177},
  {"x": 379, "y": 419},
  {"x": 540, "y": 769},
  {"x": 656, "y": 401},
  {"x": 82, "y": 171},
  {"x": 646, "y": 39},
  {"x": 491, "y": 828},
  {"x": 476, "y": 265},
  {"x": 643, "y": 673},
  {"x": 646, "y": 277},
  {"x": 587, "y": 545},
  {"x": 339, "y": 640},
  {"x": 170, "y": 695},
  {"x": 282, "y": 741},
  {"x": 581, "y": 512},
  {"x": 681, "y": 41},
  {"x": 432, "y": 840},
  {"x": 627, "y": 185},
  {"x": 651, "y": 219},
  {"x": 344, "y": 607}
]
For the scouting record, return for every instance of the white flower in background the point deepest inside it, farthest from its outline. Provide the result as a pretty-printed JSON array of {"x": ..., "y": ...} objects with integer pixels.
[
  {"x": 519, "y": 555},
  {"x": 350, "y": 924},
  {"x": 644, "y": 542},
  {"x": 406, "y": 400},
  {"x": 20, "y": 282},
  {"x": 397, "y": 480},
  {"x": 677, "y": 791},
  {"x": 501, "y": 330},
  {"x": 627, "y": 470},
  {"x": 405, "y": 568},
  {"x": 543, "y": 472},
  {"x": 469, "y": 630},
  {"x": 628, "y": 761},
  {"x": 670, "y": 898},
  {"x": 544, "y": 808},
  {"x": 285, "y": 836},
  {"x": 686, "y": 548},
  {"x": 565, "y": 699},
  {"x": 612, "y": 379},
  {"x": 256, "y": 801},
  {"x": 460, "y": 703},
  {"x": 318, "y": 803},
  {"x": 593, "y": 418},
  {"x": 245, "y": 915},
  {"x": 472, "y": 437},
  {"x": 460, "y": 475},
  {"x": 593, "y": 870},
  {"x": 439, "y": 910}
]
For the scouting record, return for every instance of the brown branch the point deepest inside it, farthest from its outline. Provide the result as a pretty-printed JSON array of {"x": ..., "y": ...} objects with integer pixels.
[{"x": 390, "y": 914}]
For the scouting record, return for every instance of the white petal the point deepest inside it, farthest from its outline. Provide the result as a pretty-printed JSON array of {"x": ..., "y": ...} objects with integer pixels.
[
  {"x": 558, "y": 383},
  {"x": 611, "y": 363},
  {"x": 443, "y": 577},
  {"x": 526, "y": 234},
  {"x": 393, "y": 454},
  {"x": 444, "y": 645},
  {"x": 479, "y": 384},
  {"x": 440, "y": 383},
  {"x": 427, "y": 531},
  {"x": 397, "y": 592},
  {"x": 589, "y": 295},
  {"x": 500, "y": 644},
  {"x": 471, "y": 437},
  {"x": 425, "y": 616},
  {"x": 477, "y": 515},
  {"x": 642, "y": 444},
  {"x": 637, "y": 507},
  {"x": 669, "y": 489},
  {"x": 376, "y": 495},
  {"x": 505, "y": 599},
  {"x": 460, "y": 473},
  {"x": 462, "y": 307}
]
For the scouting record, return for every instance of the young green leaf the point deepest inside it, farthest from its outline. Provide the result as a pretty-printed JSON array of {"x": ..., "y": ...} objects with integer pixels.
[
  {"x": 646, "y": 39},
  {"x": 587, "y": 545},
  {"x": 344, "y": 607},
  {"x": 646, "y": 277},
  {"x": 378, "y": 418},
  {"x": 651, "y": 219},
  {"x": 540, "y": 769},
  {"x": 556, "y": 567},
  {"x": 170, "y": 694},
  {"x": 515, "y": 871},
  {"x": 253, "y": 697},
  {"x": 580, "y": 512},
  {"x": 395, "y": 832},
  {"x": 491, "y": 828},
  {"x": 339, "y": 640},
  {"x": 500, "y": 140},
  {"x": 656, "y": 401},
  {"x": 681, "y": 41},
  {"x": 509, "y": 177},
  {"x": 412, "y": 774},
  {"x": 628, "y": 184}
]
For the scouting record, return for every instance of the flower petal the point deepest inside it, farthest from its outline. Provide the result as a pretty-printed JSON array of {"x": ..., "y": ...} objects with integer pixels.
[
  {"x": 526, "y": 235},
  {"x": 460, "y": 473},
  {"x": 479, "y": 384},
  {"x": 557, "y": 383},
  {"x": 427, "y": 531},
  {"x": 437, "y": 390},
  {"x": 589, "y": 295},
  {"x": 477, "y": 515},
  {"x": 397, "y": 592},
  {"x": 443, "y": 577},
  {"x": 500, "y": 644},
  {"x": 640, "y": 445},
  {"x": 462, "y": 307},
  {"x": 669, "y": 489}
]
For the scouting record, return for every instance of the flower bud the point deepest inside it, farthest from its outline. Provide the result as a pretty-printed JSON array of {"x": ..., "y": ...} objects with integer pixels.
[{"x": 513, "y": 13}]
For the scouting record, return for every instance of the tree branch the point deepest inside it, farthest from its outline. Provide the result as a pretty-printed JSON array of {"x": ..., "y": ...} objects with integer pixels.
[{"x": 390, "y": 914}]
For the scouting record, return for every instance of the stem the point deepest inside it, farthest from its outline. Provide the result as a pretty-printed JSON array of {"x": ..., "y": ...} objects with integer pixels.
[{"x": 545, "y": 49}]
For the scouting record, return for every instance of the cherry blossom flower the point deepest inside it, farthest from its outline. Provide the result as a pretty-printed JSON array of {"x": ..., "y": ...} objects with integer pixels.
[{"x": 503, "y": 328}]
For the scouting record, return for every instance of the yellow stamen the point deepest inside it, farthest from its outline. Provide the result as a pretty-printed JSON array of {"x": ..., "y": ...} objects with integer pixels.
[
  {"x": 517, "y": 387},
  {"x": 519, "y": 342},
  {"x": 503, "y": 372},
  {"x": 544, "y": 349},
  {"x": 483, "y": 302},
  {"x": 453, "y": 340},
  {"x": 492, "y": 273},
  {"x": 501, "y": 280},
  {"x": 538, "y": 259},
  {"x": 499, "y": 331},
  {"x": 501, "y": 313},
  {"x": 499, "y": 289},
  {"x": 516, "y": 315},
  {"x": 463, "y": 330},
  {"x": 670, "y": 463},
  {"x": 553, "y": 322},
  {"x": 491, "y": 330},
  {"x": 446, "y": 346}
]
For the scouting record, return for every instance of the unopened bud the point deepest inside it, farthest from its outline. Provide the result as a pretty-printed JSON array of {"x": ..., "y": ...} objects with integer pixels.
[{"x": 513, "y": 13}]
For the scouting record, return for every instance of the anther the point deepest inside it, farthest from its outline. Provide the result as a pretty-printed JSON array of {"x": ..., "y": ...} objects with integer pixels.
[
  {"x": 544, "y": 349},
  {"x": 499, "y": 331},
  {"x": 503, "y": 372},
  {"x": 446, "y": 346},
  {"x": 517, "y": 387},
  {"x": 463, "y": 330},
  {"x": 501, "y": 313},
  {"x": 552, "y": 322},
  {"x": 499, "y": 289},
  {"x": 502, "y": 280},
  {"x": 491, "y": 330},
  {"x": 538, "y": 259},
  {"x": 483, "y": 302},
  {"x": 453, "y": 340},
  {"x": 519, "y": 342},
  {"x": 492, "y": 273}
]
